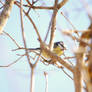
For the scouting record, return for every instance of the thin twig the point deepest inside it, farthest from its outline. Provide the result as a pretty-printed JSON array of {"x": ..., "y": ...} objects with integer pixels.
[
  {"x": 29, "y": 7},
  {"x": 48, "y": 30},
  {"x": 61, "y": 67},
  {"x": 69, "y": 61},
  {"x": 28, "y": 2},
  {"x": 60, "y": 5},
  {"x": 23, "y": 35},
  {"x": 46, "y": 78},
  {"x": 75, "y": 30},
  {"x": 87, "y": 8},
  {"x": 78, "y": 39},
  {"x": 32, "y": 1},
  {"x": 2, "y": 3},
  {"x": 31, "y": 22},
  {"x": 37, "y": 60},
  {"x": 67, "y": 74},
  {"x": 11, "y": 39},
  {"x": 72, "y": 57},
  {"x": 1, "y": 7},
  {"x": 12, "y": 62}
]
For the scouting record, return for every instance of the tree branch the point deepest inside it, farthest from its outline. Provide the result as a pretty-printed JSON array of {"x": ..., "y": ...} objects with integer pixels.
[
  {"x": 5, "y": 14},
  {"x": 53, "y": 26}
]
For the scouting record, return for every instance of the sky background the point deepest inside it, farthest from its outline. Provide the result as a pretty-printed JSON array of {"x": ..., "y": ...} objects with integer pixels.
[{"x": 17, "y": 77}]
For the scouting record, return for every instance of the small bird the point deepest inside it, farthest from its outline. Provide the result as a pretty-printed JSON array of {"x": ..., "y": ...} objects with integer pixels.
[{"x": 58, "y": 49}]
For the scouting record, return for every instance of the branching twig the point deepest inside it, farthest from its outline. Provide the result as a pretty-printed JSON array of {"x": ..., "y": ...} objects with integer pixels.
[
  {"x": 31, "y": 22},
  {"x": 78, "y": 39},
  {"x": 55, "y": 58},
  {"x": 74, "y": 29},
  {"x": 23, "y": 35},
  {"x": 61, "y": 4},
  {"x": 46, "y": 78}
]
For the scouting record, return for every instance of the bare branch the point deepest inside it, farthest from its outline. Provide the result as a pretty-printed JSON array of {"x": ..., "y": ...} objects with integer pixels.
[
  {"x": 87, "y": 8},
  {"x": 75, "y": 30},
  {"x": 46, "y": 78},
  {"x": 13, "y": 62},
  {"x": 5, "y": 14},
  {"x": 78, "y": 39},
  {"x": 60, "y": 5},
  {"x": 55, "y": 58},
  {"x": 32, "y": 79},
  {"x": 67, "y": 74},
  {"x": 23, "y": 34},
  {"x": 31, "y": 22},
  {"x": 51, "y": 43},
  {"x": 11, "y": 39}
]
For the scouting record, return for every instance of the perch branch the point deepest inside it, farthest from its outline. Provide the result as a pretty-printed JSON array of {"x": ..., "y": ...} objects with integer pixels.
[{"x": 5, "y": 14}]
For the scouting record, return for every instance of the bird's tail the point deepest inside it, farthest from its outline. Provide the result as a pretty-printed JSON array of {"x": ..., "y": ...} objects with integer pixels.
[{"x": 33, "y": 48}]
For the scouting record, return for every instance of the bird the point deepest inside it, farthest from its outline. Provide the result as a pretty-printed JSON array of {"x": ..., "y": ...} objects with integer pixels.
[{"x": 58, "y": 49}]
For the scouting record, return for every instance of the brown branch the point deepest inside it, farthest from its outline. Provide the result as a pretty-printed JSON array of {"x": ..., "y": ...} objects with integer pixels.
[
  {"x": 5, "y": 14},
  {"x": 78, "y": 69},
  {"x": 67, "y": 74},
  {"x": 61, "y": 4},
  {"x": 40, "y": 7},
  {"x": 87, "y": 8},
  {"x": 12, "y": 62},
  {"x": 54, "y": 15},
  {"x": 31, "y": 22},
  {"x": 78, "y": 77},
  {"x": 11, "y": 39},
  {"x": 32, "y": 66},
  {"x": 48, "y": 30},
  {"x": 62, "y": 68},
  {"x": 55, "y": 58},
  {"x": 32, "y": 79},
  {"x": 51, "y": 43},
  {"x": 30, "y": 5},
  {"x": 2, "y": 3},
  {"x": 37, "y": 60},
  {"x": 87, "y": 65},
  {"x": 46, "y": 78},
  {"x": 78, "y": 39},
  {"x": 23, "y": 35},
  {"x": 74, "y": 28},
  {"x": 72, "y": 57},
  {"x": 28, "y": 2},
  {"x": 79, "y": 61}
]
